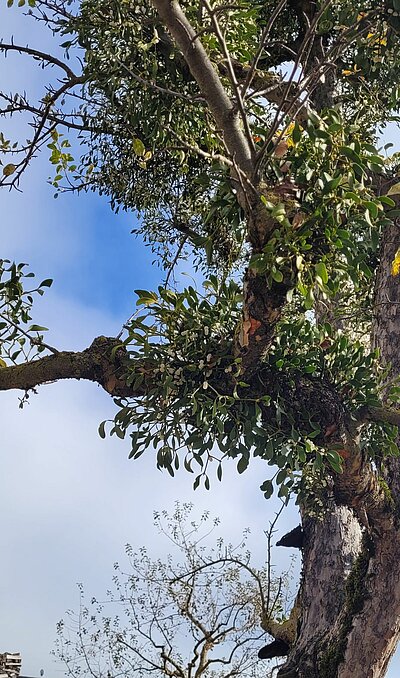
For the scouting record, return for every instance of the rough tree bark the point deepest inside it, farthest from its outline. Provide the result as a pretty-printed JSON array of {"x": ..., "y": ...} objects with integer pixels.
[{"x": 348, "y": 622}]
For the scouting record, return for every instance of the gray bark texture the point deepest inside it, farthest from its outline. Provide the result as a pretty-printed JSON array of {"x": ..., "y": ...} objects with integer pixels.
[{"x": 349, "y": 601}]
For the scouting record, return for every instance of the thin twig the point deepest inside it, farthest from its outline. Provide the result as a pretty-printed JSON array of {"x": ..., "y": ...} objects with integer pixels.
[
  {"x": 176, "y": 257},
  {"x": 264, "y": 37},
  {"x": 33, "y": 340},
  {"x": 158, "y": 88},
  {"x": 231, "y": 73},
  {"x": 43, "y": 56}
]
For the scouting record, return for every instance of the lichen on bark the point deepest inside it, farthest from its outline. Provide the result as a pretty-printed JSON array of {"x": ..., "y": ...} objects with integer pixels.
[{"x": 333, "y": 650}]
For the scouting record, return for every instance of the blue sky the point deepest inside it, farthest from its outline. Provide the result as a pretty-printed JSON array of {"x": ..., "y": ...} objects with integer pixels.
[{"x": 70, "y": 501}]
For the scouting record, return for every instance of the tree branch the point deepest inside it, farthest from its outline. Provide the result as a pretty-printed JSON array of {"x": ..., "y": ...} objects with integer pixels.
[
  {"x": 58, "y": 117},
  {"x": 231, "y": 73},
  {"x": 378, "y": 414},
  {"x": 107, "y": 363},
  {"x": 208, "y": 81},
  {"x": 264, "y": 36},
  {"x": 93, "y": 364},
  {"x": 42, "y": 56}
]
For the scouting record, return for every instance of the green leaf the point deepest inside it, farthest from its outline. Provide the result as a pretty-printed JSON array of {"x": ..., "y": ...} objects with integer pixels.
[
  {"x": 372, "y": 208},
  {"x": 310, "y": 369},
  {"x": 331, "y": 185},
  {"x": 335, "y": 461},
  {"x": 37, "y": 328},
  {"x": 196, "y": 482},
  {"x": 393, "y": 214},
  {"x": 268, "y": 488},
  {"x": 269, "y": 205},
  {"x": 102, "y": 430},
  {"x": 321, "y": 271},
  {"x": 296, "y": 133},
  {"x": 277, "y": 276},
  {"x": 146, "y": 297},
  {"x": 387, "y": 201},
  {"x": 351, "y": 155},
  {"x": 243, "y": 463}
]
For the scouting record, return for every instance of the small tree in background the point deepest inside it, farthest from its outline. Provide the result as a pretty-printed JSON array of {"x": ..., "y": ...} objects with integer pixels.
[{"x": 195, "y": 614}]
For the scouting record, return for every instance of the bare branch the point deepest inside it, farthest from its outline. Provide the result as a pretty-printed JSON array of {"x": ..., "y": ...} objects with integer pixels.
[
  {"x": 209, "y": 83},
  {"x": 59, "y": 117},
  {"x": 236, "y": 561},
  {"x": 153, "y": 85},
  {"x": 42, "y": 56},
  {"x": 38, "y": 137},
  {"x": 263, "y": 39}
]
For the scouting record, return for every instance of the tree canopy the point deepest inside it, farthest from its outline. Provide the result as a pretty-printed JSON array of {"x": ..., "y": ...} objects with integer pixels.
[{"x": 247, "y": 137}]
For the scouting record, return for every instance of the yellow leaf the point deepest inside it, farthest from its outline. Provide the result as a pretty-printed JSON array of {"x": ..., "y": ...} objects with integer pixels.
[
  {"x": 354, "y": 71},
  {"x": 394, "y": 190},
  {"x": 396, "y": 263},
  {"x": 9, "y": 169},
  {"x": 138, "y": 147},
  {"x": 2, "y": 363}
]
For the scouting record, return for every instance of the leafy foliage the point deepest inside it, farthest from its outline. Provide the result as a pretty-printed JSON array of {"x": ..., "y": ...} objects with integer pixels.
[
  {"x": 139, "y": 95},
  {"x": 304, "y": 224},
  {"x": 328, "y": 233},
  {"x": 196, "y": 404},
  {"x": 19, "y": 337}
]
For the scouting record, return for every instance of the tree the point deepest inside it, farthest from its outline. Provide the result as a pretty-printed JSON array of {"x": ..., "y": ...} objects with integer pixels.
[
  {"x": 196, "y": 612},
  {"x": 245, "y": 135}
]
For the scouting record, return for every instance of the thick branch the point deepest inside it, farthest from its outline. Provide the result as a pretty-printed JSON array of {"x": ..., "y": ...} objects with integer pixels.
[
  {"x": 358, "y": 487},
  {"x": 208, "y": 80},
  {"x": 378, "y": 414},
  {"x": 95, "y": 363}
]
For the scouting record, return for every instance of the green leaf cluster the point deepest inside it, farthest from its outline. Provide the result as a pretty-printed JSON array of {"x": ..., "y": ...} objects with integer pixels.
[
  {"x": 195, "y": 405},
  {"x": 19, "y": 338}
]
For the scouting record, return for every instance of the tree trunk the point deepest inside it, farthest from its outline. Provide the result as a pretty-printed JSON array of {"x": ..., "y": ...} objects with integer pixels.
[{"x": 349, "y": 600}]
